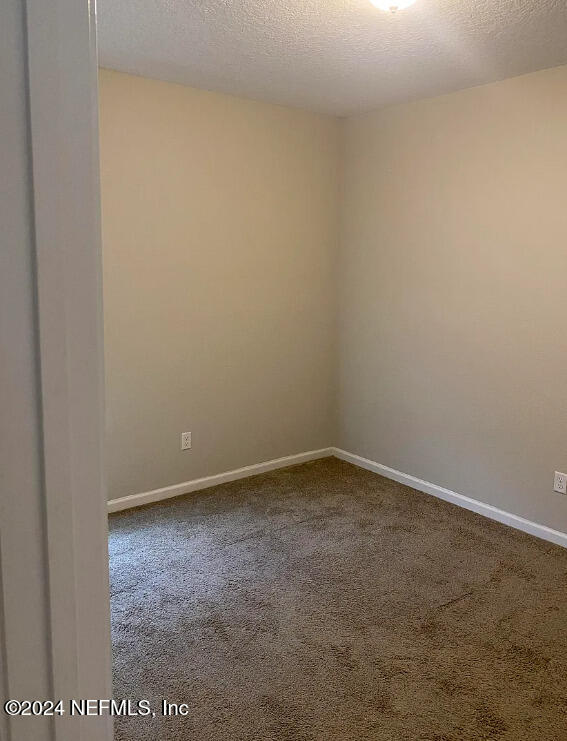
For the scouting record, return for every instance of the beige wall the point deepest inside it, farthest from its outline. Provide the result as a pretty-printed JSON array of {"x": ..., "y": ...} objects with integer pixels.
[
  {"x": 219, "y": 236},
  {"x": 453, "y": 300}
]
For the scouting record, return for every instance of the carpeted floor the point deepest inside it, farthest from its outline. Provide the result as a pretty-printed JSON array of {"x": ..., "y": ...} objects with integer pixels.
[{"x": 323, "y": 602}]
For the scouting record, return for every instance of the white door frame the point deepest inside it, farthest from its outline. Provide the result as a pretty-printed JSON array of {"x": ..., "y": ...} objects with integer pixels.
[{"x": 54, "y": 600}]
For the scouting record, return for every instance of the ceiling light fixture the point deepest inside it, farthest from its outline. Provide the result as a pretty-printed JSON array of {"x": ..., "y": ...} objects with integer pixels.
[{"x": 392, "y": 5}]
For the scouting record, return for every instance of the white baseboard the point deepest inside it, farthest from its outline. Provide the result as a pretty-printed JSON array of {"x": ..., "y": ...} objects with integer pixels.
[
  {"x": 186, "y": 487},
  {"x": 507, "y": 518}
]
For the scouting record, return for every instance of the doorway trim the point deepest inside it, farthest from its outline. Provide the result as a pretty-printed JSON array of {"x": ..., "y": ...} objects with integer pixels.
[{"x": 66, "y": 549}]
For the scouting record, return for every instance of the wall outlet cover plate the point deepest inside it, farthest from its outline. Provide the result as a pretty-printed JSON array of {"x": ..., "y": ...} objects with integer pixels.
[{"x": 560, "y": 483}]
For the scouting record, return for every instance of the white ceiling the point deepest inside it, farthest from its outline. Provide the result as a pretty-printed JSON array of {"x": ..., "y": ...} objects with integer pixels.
[{"x": 335, "y": 56}]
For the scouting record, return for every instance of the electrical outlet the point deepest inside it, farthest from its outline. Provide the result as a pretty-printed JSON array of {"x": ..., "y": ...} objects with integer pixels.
[
  {"x": 185, "y": 440},
  {"x": 560, "y": 483}
]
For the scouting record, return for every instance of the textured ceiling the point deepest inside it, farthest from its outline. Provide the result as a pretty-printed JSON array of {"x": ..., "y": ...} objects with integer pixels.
[{"x": 335, "y": 56}]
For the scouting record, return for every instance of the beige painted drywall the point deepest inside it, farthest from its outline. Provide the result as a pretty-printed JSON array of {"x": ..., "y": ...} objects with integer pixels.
[
  {"x": 219, "y": 238},
  {"x": 220, "y": 234},
  {"x": 453, "y": 292}
]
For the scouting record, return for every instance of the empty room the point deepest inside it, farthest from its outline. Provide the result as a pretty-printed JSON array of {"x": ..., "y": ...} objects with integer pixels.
[{"x": 300, "y": 268}]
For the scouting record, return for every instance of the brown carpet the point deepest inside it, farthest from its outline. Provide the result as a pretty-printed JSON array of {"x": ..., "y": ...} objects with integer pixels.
[{"x": 325, "y": 602}]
